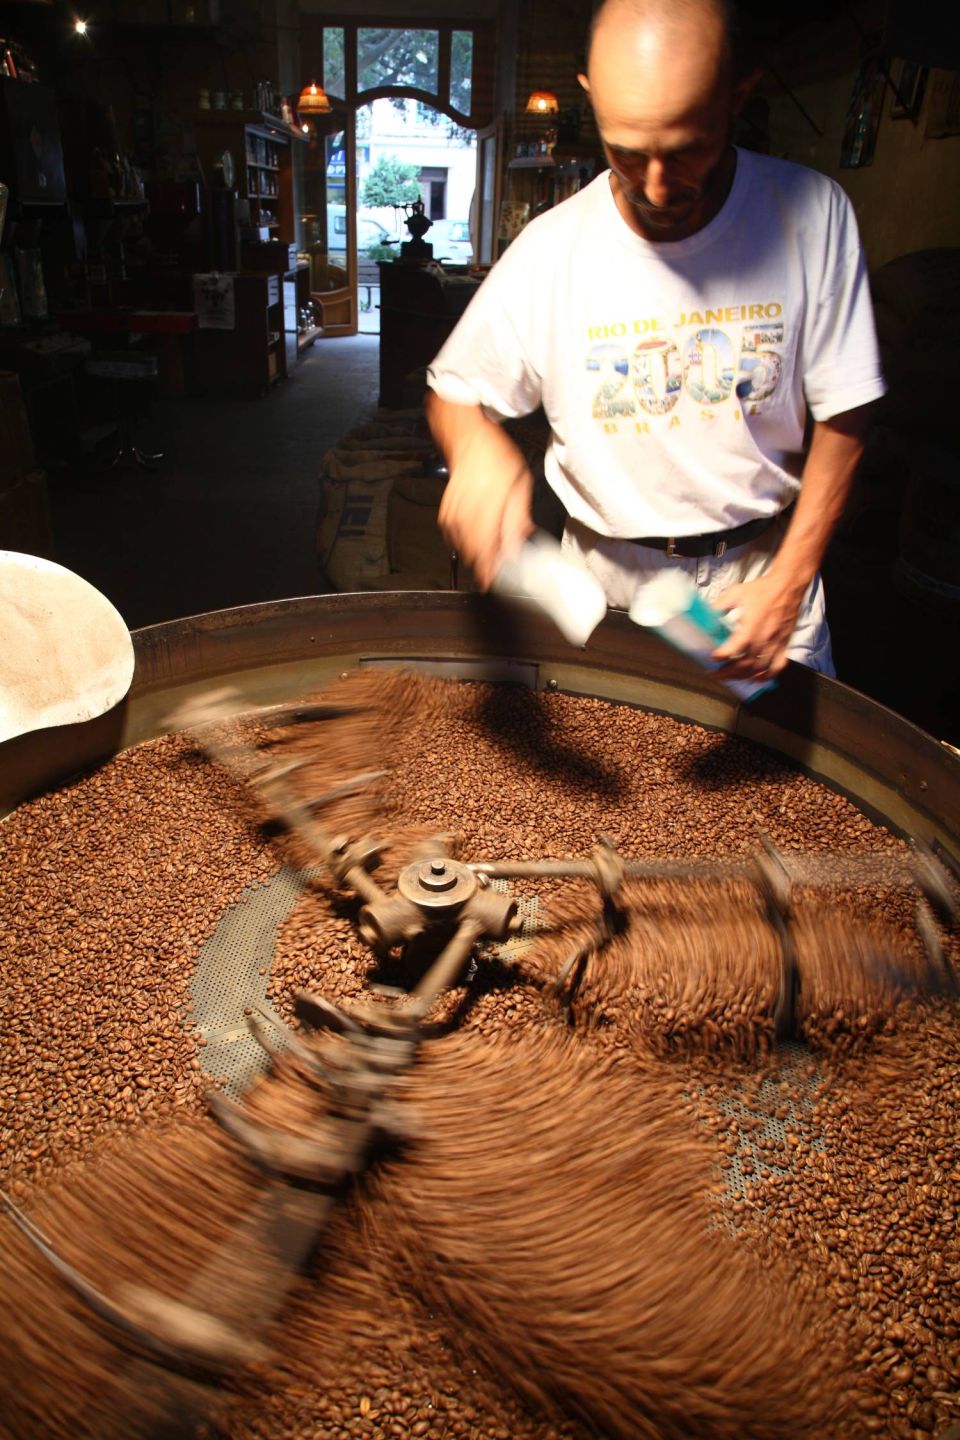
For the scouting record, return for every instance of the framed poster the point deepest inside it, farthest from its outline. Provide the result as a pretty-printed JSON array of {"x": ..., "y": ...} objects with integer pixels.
[
  {"x": 943, "y": 107},
  {"x": 33, "y": 291},
  {"x": 863, "y": 112},
  {"x": 214, "y": 301},
  {"x": 909, "y": 82},
  {"x": 9, "y": 300}
]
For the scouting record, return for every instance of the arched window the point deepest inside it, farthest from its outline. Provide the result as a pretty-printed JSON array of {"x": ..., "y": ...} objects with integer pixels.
[{"x": 448, "y": 65}]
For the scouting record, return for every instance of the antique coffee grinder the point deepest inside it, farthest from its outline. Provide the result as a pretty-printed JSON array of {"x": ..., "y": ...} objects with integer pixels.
[{"x": 418, "y": 223}]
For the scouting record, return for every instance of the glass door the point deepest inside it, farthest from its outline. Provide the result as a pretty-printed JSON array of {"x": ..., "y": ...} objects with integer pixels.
[
  {"x": 328, "y": 218},
  {"x": 406, "y": 105},
  {"x": 487, "y": 194}
]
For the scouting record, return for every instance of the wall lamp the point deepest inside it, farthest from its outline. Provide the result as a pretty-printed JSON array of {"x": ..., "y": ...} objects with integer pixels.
[{"x": 542, "y": 102}]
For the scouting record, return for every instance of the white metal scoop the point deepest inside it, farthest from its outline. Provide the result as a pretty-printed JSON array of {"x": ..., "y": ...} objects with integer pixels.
[{"x": 65, "y": 652}]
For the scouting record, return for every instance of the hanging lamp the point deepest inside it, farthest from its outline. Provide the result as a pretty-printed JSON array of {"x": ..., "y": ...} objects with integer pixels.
[{"x": 314, "y": 100}]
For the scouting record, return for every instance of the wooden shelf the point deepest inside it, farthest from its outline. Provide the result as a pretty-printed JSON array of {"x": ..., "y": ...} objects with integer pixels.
[
  {"x": 258, "y": 120},
  {"x": 568, "y": 154},
  {"x": 106, "y": 207},
  {"x": 542, "y": 181},
  {"x": 532, "y": 162},
  {"x": 562, "y": 158},
  {"x": 263, "y": 346}
]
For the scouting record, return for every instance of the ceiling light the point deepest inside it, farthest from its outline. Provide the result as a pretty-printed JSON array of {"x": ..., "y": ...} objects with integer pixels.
[{"x": 313, "y": 100}]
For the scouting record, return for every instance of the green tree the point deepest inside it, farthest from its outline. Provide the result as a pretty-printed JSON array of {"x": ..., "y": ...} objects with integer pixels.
[
  {"x": 391, "y": 182},
  {"x": 407, "y": 59}
]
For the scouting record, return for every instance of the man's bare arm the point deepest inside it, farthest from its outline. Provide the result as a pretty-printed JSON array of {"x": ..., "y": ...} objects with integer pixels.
[
  {"x": 485, "y": 513},
  {"x": 769, "y": 605}
]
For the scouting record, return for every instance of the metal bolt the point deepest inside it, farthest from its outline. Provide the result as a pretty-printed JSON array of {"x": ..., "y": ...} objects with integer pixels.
[{"x": 435, "y": 876}]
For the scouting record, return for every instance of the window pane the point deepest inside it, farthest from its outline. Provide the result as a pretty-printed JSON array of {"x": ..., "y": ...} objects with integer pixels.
[
  {"x": 461, "y": 70},
  {"x": 397, "y": 57},
  {"x": 333, "y": 61},
  {"x": 335, "y": 148}
]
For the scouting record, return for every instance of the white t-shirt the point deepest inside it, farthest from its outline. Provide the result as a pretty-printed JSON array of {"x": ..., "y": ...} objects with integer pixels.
[{"x": 676, "y": 376}]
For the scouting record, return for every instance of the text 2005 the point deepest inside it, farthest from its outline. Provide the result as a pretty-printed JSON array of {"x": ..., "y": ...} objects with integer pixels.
[{"x": 652, "y": 378}]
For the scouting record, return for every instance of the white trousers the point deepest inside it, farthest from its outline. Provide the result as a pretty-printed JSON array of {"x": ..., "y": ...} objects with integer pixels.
[{"x": 621, "y": 567}]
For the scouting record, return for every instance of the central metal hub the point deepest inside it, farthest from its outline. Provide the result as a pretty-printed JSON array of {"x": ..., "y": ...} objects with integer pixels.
[
  {"x": 440, "y": 883},
  {"x": 437, "y": 875}
]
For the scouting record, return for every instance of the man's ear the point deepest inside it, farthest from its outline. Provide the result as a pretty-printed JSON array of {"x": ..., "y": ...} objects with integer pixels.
[
  {"x": 584, "y": 82},
  {"x": 744, "y": 87}
]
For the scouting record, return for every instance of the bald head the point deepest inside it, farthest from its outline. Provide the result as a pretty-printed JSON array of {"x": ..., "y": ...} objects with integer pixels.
[
  {"x": 661, "y": 58},
  {"x": 662, "y": 81},
  {"x": 671, "y": 20}
]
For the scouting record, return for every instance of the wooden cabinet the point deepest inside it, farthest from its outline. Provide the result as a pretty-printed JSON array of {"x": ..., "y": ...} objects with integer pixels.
[
  {"x": 266, "y": 181},
  {"x": 542, "y": 181},
  {"x": 260, "y": 150},
  {"x": 252, "y": 356},
  {"x": 269, "y": 289},
  {"x": 418, "y": 309},
  {"x": 266, "y": 340},
  {"x": 297, "y": 302}
]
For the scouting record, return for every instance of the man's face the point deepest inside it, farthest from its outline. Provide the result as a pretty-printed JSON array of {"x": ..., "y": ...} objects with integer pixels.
[
  {"x": 664, "y": 103},
  {"x": 667, "y": 187}
]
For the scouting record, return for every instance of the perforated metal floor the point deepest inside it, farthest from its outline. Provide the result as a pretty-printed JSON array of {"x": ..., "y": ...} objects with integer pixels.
[
  {"x": 753, "y": 1139},
  {"x": 233, "y": 972}
]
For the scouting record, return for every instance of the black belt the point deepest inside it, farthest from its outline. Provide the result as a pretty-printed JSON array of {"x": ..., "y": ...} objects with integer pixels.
[{"x": 717, "y": 542}]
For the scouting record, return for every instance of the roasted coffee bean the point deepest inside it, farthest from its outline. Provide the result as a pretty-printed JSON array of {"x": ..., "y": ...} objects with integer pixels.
[{"x": 109, "y": 886}]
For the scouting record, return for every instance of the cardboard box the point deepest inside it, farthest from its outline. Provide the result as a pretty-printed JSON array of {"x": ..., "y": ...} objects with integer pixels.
[
  {"x": 16, "y": 444},
  {"x": 25, "y": 517}
]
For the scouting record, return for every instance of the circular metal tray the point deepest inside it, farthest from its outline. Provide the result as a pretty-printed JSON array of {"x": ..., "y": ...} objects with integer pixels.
[{"x": 893, "y": 771}]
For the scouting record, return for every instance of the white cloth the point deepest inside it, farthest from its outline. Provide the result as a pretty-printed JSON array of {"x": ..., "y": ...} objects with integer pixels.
[
  {"x": 676, "y": 376},
  {"x": 622, "y": 568}
]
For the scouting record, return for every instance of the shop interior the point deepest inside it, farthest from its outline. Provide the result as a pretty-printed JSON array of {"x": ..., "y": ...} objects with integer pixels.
[
  {"x": 426, "y": 1012},
  {"x": 187, "y": 396}
]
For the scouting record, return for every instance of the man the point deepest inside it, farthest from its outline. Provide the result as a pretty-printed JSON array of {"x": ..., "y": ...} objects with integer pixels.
[{"x": 679, "y": 319}]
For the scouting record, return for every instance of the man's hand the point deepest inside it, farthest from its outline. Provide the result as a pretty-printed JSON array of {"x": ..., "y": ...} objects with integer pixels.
[
  {"x": 485, "y": 512},
  {"x": 766, "y": 609},
  {"x": 764, "y": 616}
]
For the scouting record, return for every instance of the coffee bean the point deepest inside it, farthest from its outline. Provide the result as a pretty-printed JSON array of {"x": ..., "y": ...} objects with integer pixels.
[{"x": 109, "y": 886}]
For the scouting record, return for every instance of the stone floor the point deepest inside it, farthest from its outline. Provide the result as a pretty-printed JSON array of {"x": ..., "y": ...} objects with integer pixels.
[
  {"x": 229, "y": 516},
  {"x": 368, "y": 320}
]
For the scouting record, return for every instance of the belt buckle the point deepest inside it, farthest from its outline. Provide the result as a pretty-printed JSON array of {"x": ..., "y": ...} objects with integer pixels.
[
  {"x": 671, "y": 547},
  {"x": 719, "y": 549}
]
